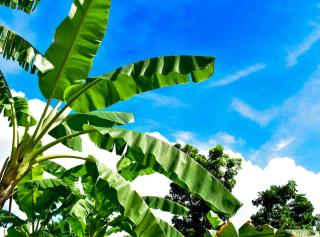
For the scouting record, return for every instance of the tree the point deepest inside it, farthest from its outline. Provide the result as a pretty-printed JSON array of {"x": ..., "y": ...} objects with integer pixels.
[
  {"x": 283, "y": 206},
  {"x": 220, "y": 165},
  {"x": 63, "y": 79}
]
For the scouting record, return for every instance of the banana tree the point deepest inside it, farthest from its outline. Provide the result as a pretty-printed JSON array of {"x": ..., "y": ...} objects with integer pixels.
[
  {"x": 73, "y": 203},
  {"x": 63, "y": 74}
]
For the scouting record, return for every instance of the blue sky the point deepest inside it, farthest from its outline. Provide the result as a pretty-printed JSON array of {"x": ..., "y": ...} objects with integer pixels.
[{"x": 264, "y": 99}]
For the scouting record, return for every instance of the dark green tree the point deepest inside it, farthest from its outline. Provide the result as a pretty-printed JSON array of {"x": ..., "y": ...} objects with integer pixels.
[
  {"x": 223, "y": 167},
  {"x": 283, "y": 206}
]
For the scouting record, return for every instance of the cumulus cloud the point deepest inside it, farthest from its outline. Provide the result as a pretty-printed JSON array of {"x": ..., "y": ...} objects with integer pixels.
[
  {"x": 261, "y": 117},
  {"x": 303, "y": 47},
  {"x": 238, "y": 75}
]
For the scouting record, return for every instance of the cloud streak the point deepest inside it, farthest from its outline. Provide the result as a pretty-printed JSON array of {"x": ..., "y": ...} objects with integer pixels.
[
  {"x": 238, "y": 75},
  {"x": 298, "y": 126},
  {"x": 162, "y": 100},
  {"x": 263, "y": 118},
  {"x": 303, "y": 47}
]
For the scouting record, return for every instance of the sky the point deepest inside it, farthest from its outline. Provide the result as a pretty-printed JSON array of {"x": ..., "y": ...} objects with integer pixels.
[{"x": 262, "y": 103}]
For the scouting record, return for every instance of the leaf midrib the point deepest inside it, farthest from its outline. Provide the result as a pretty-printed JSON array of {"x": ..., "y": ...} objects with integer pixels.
[{"x": 70, "y": 49}]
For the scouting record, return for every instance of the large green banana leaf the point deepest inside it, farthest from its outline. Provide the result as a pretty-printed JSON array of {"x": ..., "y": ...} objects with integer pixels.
[
  {"x": 75, "y": 44},
  {"x": 169, "y": 229},
  {"x": 170, "y": 161},
  {"x": 227, "y": 230},
  {"x": 166, "y": 205},
  {"x": 26, "y": 197},
  {"x": 130, "y": 169},
  {"x": 53, "y": 168},
  {"x": 125, "y": 82},
  {"x": 20, "y": 105},
  {"x": 74, "y": 123},
  {"x": 78, "y": 214},
  {"x": 24, "y": 5},
  {"x": 134, "y": 206},
  {"x": 249, "y": 230},
  {"x": 7, "y": 218},
  {"x": 108, "y": 186},
  {"x": 14, "y": 47}
]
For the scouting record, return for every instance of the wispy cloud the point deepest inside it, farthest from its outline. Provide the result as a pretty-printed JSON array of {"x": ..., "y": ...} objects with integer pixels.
[
  {"x": 303, "y": 47},
  {"x": 238, "y": 75},
  {"x": 162, "y": 100},
  {"x": 284, "y": 143},
  {"x": 260, "y": 117},
  {"x": 298, "y": 126}
]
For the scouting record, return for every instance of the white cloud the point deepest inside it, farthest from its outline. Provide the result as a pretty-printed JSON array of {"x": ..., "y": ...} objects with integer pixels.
[
  {"x": 284, "y": 143},
  {"x": 162, "y": 100},
  {"x": 260, "y": 117},
  {"x": 184, "y": 136},
  {"x": 303, "y": 47},
  {"x": 238, "y": 75},
  {"x": 225, "y": 139},
  {"x": 17, "y": 93}
]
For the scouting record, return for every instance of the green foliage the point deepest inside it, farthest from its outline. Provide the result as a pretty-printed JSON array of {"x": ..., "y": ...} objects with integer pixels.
[
  {"x": 126, "y": 82},
  {"x": 282, "y": 206},
  {"x": 221, "y": 166},
  {"x": 106, "y": 204},
  {"x": 76, "y": 42},
  {"x": 149, "y": 151},
  {"x": 92, "y": 199},
  {"x": 14, "y": 47},
  {"x": 24, "y": 5},
  {"x": 167, "y": 205}
]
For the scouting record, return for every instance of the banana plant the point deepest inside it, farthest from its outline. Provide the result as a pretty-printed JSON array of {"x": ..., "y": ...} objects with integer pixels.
[
  {"x": 63, "y": 75},
  {"x": 73, "y": 203}
]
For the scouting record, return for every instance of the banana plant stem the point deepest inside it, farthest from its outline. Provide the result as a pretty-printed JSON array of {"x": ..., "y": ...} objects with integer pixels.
[
  {"x": 62, "y": 139},
  {"x": 66, "y": 106},
  {"x": 57, "y": 156}
]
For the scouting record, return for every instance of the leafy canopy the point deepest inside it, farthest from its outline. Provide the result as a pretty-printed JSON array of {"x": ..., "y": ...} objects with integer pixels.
[
  {"x": 282, "y": 206},
  {"x": 79, "y": 106}
]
